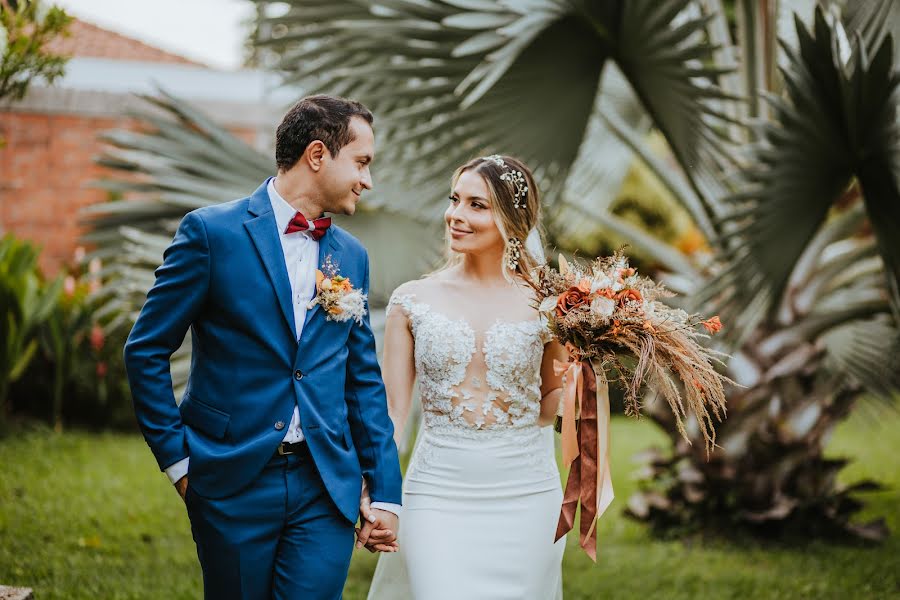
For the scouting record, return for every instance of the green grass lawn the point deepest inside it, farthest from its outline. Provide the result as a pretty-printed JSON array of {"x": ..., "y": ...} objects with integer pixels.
[{"x": 89, "y": 516}]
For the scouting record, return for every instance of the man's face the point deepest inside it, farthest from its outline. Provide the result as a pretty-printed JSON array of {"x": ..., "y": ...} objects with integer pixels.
[{"x": 345, "y": 176}]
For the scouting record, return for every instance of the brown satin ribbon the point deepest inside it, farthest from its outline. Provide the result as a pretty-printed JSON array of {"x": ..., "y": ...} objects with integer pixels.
[
  {"x": 589, "y": 482},
  {"x": 573, "y": 392}
]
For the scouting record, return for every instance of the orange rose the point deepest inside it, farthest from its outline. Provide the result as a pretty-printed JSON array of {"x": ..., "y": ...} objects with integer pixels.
[
  {"x": 712, "y": 325},
  {"x": 629, "y": 294},
  {"x": 571, "y": 298},
  {"x": 607, "y": 293}
]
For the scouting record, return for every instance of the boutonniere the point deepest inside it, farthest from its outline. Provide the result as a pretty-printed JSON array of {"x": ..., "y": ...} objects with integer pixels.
[{"x": 337, "y": 296}]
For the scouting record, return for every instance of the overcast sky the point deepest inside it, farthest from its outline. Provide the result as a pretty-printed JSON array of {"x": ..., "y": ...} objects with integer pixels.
[{"x": 208, "y": 31}]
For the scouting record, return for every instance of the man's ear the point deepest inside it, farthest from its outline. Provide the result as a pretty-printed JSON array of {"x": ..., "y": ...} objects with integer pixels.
[{"x": 315, "y": 154}]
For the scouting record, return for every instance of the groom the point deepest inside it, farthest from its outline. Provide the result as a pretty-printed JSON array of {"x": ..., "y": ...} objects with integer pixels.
[{"x": 284, "y": 414}]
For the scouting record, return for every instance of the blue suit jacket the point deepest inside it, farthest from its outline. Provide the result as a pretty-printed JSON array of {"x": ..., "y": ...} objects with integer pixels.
[{"x": 224, "y": 277}]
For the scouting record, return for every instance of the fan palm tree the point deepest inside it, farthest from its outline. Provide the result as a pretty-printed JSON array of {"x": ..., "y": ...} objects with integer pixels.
[
  {"x": 809, "y": 275},
  {"x": 796, "y": 197}
]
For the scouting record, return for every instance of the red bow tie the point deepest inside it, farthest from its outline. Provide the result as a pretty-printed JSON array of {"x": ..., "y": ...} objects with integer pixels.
[{"x": 316, "y": 230}]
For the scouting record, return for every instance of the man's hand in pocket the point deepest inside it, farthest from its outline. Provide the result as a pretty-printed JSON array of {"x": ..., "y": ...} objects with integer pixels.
[{"x": 181, "y": 486}]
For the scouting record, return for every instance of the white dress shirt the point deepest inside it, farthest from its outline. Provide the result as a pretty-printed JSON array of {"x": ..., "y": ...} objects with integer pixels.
[{"x": 301, "y": 257}]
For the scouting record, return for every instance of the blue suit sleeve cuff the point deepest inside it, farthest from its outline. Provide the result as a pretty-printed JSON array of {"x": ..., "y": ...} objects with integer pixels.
[{"x": 178, "y": 470}]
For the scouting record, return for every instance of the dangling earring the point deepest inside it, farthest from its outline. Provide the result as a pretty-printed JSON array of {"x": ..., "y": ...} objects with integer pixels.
[{"x": 512, "y": 253}]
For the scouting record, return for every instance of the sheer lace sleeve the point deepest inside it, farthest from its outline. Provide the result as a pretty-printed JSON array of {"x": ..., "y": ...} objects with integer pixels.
[
  {"x": 402, "y": 300},
  {"x": 546, "y": 334}
]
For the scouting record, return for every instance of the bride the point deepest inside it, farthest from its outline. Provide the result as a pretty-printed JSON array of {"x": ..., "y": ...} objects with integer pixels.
[{"x": 482, "y": 490}]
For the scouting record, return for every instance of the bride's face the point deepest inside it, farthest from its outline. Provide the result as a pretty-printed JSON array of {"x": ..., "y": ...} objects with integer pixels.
[{"x": 470, "y": 219}]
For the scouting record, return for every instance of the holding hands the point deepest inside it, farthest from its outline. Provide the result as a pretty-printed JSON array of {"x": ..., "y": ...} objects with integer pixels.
[{"x": 378, "y": 530}]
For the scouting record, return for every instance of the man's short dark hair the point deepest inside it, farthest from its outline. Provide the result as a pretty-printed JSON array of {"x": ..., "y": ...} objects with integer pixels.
[{"x": 320, "y": 117}]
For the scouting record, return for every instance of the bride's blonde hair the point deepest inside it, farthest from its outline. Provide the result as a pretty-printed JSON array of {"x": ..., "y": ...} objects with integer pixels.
[{"x": 515, "y": 206}]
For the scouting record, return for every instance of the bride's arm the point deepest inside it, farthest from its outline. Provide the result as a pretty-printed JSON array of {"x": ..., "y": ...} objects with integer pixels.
[
  {"x": 551, "y": 383},
  {"x": 399, "y": 368}
]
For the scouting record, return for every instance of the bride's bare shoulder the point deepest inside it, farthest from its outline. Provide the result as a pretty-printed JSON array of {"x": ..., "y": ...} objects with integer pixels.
[{"x": 413, "y": 287}]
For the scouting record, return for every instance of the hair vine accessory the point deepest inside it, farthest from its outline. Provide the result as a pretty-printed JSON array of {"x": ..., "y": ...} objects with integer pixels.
[
  {"x": 512, "y": 253},
  {"x": 513, "y": 177}
]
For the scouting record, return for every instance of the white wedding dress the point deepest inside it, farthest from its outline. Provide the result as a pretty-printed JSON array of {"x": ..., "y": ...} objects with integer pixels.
[{"x": 482, "y": 491}]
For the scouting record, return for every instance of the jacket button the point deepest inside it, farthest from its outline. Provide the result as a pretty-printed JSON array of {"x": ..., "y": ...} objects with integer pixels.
[
  {"x": 279, "y": 425},
  {"x": 298, "y": 374}
]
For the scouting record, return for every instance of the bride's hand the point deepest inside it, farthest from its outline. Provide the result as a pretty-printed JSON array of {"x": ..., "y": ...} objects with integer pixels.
[
  {"x": 378, "y": 532},
  {"x": 376, "y": 539}
]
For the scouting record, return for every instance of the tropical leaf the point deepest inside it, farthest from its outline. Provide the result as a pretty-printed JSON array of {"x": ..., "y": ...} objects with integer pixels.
[
  {"x": 458, "y": 79},
  {"x": 836, "y": 125},
  {"x": 866, "y": 350},
  {"x": 874, "y": 20},
  {"x": 663, "y": 52}
]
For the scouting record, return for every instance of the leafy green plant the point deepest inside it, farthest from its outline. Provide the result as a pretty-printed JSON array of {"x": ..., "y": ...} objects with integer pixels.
[
  {"x": 25, "y": 29},
  {"x": 26, "y": 302},
  {"x": 70, "y": 333}
]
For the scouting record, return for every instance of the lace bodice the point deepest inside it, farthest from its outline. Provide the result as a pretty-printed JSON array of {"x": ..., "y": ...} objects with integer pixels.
[{"x": 475, "y": 382}]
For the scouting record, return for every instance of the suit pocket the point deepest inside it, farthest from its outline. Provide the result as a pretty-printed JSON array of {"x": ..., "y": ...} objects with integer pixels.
[{"x": 201, "y": 416}]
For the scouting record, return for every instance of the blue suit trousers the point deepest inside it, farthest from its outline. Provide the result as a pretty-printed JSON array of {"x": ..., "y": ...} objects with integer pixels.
[{"x": 281, "y": 537}]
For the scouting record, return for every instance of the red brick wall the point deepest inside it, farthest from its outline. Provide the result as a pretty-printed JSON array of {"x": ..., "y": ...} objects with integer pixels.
[{"x": 45, "y": 168}]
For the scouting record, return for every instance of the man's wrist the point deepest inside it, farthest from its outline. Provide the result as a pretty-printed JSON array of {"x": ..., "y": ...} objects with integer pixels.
[
  {"x": 178, "y": 470},
  {"x": 388, "y": 506}
]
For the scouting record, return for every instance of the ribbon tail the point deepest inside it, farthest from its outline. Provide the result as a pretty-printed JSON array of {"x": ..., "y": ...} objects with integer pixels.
[
  {"x": 604, "y": 495},
  {"x": 570, "y": 501},
  {"x": 589, "y": 443},
  {"x": 590, "y": 479},
  {"x": 605, "y": 492},
  {"x": 604, "y": 489},
  {"x": 571, "y": 400},
  {"x": 573, "y": 386}
]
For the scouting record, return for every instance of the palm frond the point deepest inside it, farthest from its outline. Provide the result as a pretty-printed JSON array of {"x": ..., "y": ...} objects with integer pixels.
[
  {"x": 835, "y": 125},
  {"x": 458, "y": 78},
  {"x": 874, "y": 20},
  {"x": 664, "y": 52},
  {"x": 866, "y": 350}
]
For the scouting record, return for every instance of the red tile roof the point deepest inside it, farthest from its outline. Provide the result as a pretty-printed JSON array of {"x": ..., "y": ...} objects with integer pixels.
[{"x": 88, "y": 40}]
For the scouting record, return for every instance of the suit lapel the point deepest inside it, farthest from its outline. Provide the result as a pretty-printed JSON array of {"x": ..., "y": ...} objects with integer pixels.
[{"x": 263, "y": 232}]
